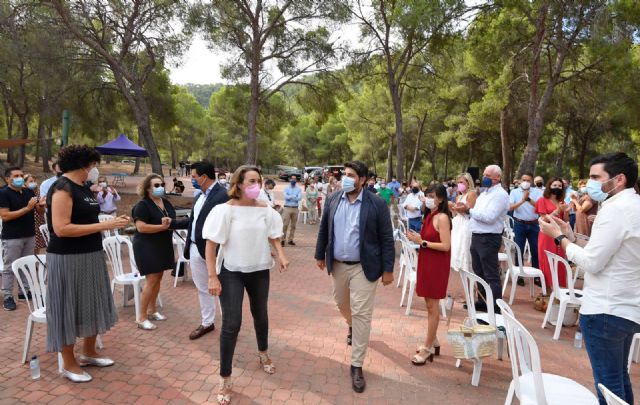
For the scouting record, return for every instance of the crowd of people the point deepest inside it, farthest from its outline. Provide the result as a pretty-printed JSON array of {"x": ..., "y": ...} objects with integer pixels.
[{"x": 236, "y": 230}]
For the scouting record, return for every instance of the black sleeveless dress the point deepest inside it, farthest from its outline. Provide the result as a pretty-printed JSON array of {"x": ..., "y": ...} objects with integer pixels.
[{"x": 153, "y": 251}]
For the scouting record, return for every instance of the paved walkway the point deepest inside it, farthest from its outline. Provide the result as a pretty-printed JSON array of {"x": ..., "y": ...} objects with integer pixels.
[{"x": 307, "y": 339}]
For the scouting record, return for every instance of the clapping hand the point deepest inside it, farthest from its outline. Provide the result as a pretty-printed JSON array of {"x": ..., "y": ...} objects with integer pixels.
[
  {"x": 166, "y": 222},
  {"x": 413, "y": 236},
  {"x": 552, "y": 226},
  {"x": 32, "y": 203},
  {"x": 119, "y": 222}
]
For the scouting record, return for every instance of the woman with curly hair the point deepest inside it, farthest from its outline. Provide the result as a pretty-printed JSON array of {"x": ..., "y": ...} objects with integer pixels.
[{"x": 79, "y": 301}]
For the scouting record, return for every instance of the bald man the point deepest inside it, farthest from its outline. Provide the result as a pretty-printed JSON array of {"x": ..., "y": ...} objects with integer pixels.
[{"x": 486, "y": 224}]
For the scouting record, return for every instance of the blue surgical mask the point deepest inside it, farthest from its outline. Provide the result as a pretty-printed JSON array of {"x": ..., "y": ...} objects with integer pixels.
[
  {"x": 32, "y": 185},
  {"x": 594, "y": 189},
  {"x": 158, "y": 191},
  {"x": 293, "y": 183},
  {"x": 487, "y": 182},
  {"x": 17, "y": 182},
  {"x": 195, "y": 184},
  {"x": 348, "y": 184}
]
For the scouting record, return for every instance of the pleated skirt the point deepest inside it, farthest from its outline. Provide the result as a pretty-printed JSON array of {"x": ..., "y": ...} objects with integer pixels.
[{"x": 79, "y": 300}]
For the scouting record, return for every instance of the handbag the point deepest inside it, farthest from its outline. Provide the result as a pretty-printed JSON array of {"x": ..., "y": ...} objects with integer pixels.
[
  {"x": 541, "y": 302},
  {"x": 472, "y": 341}
]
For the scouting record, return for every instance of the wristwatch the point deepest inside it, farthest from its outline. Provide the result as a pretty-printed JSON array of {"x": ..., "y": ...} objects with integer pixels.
[
  {"x": 558, "y": 240},
  {"x": 424, "y": 244}
]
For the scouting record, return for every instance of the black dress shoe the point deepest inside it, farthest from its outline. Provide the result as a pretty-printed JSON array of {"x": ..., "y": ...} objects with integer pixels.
[
  {"x": 520, "y": 281},
  {"x": 357, "y": 379},
  {"x": 201, "y": 331},
  {"x": 292, "y": 243}
]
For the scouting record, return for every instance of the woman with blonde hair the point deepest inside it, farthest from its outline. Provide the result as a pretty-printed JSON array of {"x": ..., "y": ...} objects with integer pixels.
[
  {"x": 245, "y": 230},
  {"x": 152, "y": 245},
  {"x": 460, "y": 233}
]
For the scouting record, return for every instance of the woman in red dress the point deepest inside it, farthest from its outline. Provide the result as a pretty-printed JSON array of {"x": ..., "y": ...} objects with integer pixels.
[
  {"x": 552, "y": 203},
  {"x": 434, "y": 261}
]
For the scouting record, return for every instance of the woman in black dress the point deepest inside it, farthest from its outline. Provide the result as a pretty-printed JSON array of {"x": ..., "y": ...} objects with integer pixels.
[{"x": 152, "y": 245}]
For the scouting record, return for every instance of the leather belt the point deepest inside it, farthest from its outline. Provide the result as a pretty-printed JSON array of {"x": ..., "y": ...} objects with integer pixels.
[
  {"x": 346, "y": 262},
  {"x": 525, "y": 222}
]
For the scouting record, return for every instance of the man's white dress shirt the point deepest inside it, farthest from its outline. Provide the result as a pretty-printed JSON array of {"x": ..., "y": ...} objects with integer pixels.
[{"x": 490, "y": 211}]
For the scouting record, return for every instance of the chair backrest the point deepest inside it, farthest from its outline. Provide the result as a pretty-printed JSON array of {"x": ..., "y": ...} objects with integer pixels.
[
  {"x": 513, "y": 252},
  {"x": 469, "y": 281},
  {"x": 29, "y": 269},
  {"x": 523, "y": 353},
  {"x": 610, "y": 397},
  {"x": 44, "y": 230},
  {"x": 508, "y": 228},
  {"x": 113, "y": 248},
  {"x": 554, "y": 264},
  {"x": 179, "y": 240},
  {"x": 104, "y": 218}
]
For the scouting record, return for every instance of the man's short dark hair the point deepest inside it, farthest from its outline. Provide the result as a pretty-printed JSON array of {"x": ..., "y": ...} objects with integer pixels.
[
  {"x": 359, "y": 167},
  {"x": 619, "y": 163},
  {"x": 205, "y": 167},
  {"x": 8, "y": 170},
  {"x": 269, "y": 182},
  {"x": 221, "y": 174},
  {"x": 74, "y": 157},
  {"x": 526, "y": 174}
]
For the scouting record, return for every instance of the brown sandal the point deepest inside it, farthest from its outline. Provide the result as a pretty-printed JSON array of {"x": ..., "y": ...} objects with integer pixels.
[{"x": 267, "y": 364}]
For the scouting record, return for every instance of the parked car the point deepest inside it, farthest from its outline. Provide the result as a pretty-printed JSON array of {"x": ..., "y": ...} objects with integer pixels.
[
  {"x": 282, "y": 169},
  {"x": 285, "y": 174},
  {"x": 332, "y": 170}
]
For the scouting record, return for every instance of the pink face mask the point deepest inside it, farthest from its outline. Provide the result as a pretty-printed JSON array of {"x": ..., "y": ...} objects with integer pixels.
[
  {"x": 462, "y": 187},
  {"x": 253, "y": 191}
]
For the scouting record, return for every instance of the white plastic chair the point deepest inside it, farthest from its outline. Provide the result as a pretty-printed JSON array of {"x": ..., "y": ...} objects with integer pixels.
[
  {"x": 634, "y": 352},
  {"x": 469, "y": 281},
  {"x": 402, "y": 263},
  {"x": 514, "y": 271},
  {"x": 113, "y": 248},
  {"x": 610, "y": 397},
  {"x": 304, "y": 213},
  {"x": 566, "y": 296},
  {"x": 179, "y": 242},
  {"x": 29, "y": 269},
  {"x": 44, "y": 230},
  {"x": 108, "y": 233},
  {"x": 529, "y": 384},
  {"x": 410, "y": 273}
]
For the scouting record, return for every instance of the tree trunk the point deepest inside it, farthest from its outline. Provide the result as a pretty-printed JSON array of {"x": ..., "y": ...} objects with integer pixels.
[
  {"x": 397, "y": 111},
  {"x": 174, "y": 153},
  {"x": 434, "y": 161},
  {"x": 251, "y": 155},
  {"x": 506, "y": 150},
  {"x": 43, "y": 143},
  {"x": 16, "y": 153},
  {"x": 417, "y": 147},
  {"x": 446, "y": 163},
  {"x": 390, "y": 160},
  {"x": 563, "y": 149}
]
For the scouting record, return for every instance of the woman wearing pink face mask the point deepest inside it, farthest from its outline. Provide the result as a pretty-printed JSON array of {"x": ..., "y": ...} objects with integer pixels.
[
  {"x": 245, "y": 230},
  {"x": 460, "y": 234}
]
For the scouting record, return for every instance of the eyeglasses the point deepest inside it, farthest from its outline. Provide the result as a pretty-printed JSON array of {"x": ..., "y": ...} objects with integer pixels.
[{"x": 158, "y": 185}]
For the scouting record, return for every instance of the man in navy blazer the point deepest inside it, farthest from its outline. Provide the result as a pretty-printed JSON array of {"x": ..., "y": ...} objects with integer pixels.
[
  {"x": 203, "y": 177},
  {"x": 355, "y": 245}
]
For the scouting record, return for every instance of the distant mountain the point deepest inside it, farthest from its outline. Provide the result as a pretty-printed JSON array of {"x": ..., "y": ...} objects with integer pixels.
[{"x": 203, "y": 92}]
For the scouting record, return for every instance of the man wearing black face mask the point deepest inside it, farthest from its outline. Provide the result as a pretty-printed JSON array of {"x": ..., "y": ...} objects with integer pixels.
[
  {"x": 487, "y": 224},
  {"x": 539, "y": 182},
  {"x": 356, "y": 262}
]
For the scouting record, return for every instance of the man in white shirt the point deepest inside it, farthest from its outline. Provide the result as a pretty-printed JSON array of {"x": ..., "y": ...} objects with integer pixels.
[
  {"x": 203, "y": 177},
  {"x": 413, "y": 208},
  {"x": 522, "y": 201},
  {"x": 610, "y": 311},
  {"x": 486, "y": 225},
  {"x": 46, "y": 185}
]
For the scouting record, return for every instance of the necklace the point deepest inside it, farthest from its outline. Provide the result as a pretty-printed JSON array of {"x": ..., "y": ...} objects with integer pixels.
[{"x": 162, "y": 210}]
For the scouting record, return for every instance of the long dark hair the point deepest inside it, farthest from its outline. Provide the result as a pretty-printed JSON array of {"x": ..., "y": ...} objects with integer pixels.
[{"x": 441, "y": 192}]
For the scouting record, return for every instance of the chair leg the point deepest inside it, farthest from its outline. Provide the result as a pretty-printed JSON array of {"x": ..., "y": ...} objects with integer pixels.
[
  {"x": 506, "y": 281},
  {"x": 458, "y": 363},
  {"x": 60, "y": 363},
  {"x": 512, "y": 391},
  {"x": 531, "y": 283},
  {"x": 99, "y": 343},
  {"x": 136, "y": 299},
  {"x": 548, "y": 313},
  {"x": 404, "y": 289},
  {"x": 175, "y": 279},
  {"x": 543, "y": 283},
  {"x": 412, "y": 290},
  {"x": 500, "y": 347},
  {"x": 159, "y": 301},
  {"x": 27, "y": 339},
  {"x": 477, "y": 369},
  {"x": 443, "y": 308},
  {"x": 563, "y": 308},
  {"x": 400, "y": 273},
  {"x": 514, "y": 284}
]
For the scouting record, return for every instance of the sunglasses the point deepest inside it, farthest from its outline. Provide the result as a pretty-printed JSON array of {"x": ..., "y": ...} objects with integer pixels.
[{"x": 158, "y": 185}]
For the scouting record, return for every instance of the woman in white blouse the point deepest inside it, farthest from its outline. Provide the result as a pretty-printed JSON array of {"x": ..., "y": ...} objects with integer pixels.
[{"x": 245, "y": 229}]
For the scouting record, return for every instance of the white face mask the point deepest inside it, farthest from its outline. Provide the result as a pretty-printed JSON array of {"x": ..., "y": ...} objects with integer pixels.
[
  {"x": 223, "y": 181},
  {"x": 103, "y": 184},
  {"x": 93, "y": 175},
  {"x": 525, "y": 185},
  {"x": 430, "y": 203}
]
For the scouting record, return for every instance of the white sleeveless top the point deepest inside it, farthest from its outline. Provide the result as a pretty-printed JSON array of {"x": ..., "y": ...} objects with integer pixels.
[{"x": 243, "y": 234}]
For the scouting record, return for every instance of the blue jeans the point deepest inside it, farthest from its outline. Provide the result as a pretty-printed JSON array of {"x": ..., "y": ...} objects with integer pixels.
[
  {"x": 524, "y": 233},
  {"x": 415, "y": 224},
  {"x": 608, "y": 340}
]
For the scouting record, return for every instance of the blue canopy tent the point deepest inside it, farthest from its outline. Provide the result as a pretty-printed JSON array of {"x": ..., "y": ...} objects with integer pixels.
[{"x": 122, "y": 146}]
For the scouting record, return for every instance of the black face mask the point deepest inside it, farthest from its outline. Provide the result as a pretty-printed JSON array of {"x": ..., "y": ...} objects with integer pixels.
[
  {"x": 415, "y": 190},
  {"x": 557, "y": 192},
  {"x": 539, "y": 185}
]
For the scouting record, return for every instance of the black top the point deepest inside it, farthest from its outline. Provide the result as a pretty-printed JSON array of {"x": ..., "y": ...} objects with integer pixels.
[
  {"x": 24, "y": 226},
  {"x": 147, "y": 211},
  {"x": 153, "y": 251},
  {"x": 85, "y": 211}
]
